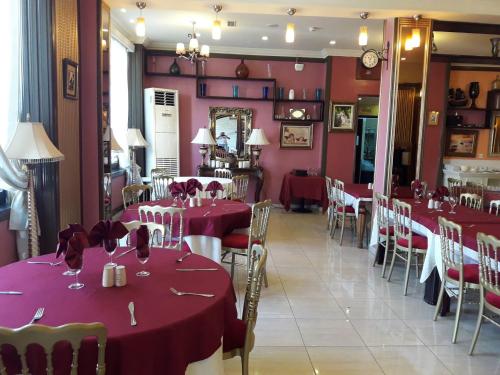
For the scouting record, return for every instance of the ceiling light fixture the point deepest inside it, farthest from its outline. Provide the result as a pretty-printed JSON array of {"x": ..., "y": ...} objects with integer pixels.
[
  {"x": 216, "y": 25},
  {"x": 265, "y": 37},
  {"x": 140, "y": 24},
  {"x": 363, "y": 31},
  {"x": 409, "y": 43},
  {"x": 332, "y": 42},
  {"x": 193, "y": 53},
  {"x": 123, "y": 10},
  {"x": 415, "y": 32},
  {"x": 290, "y": 27}
]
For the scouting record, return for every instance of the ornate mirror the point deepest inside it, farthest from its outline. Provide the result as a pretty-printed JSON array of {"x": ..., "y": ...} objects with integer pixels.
[{"x": 231, "y": 128}]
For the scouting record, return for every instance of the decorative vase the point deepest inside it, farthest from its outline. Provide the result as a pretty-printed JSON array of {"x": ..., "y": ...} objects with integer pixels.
[
  {"x": 291, "y": 94},
  {"x": 495, "y": 46},
  {"x": 473, "y": 93},
  {"x": 236, "y": 91},
  {"x": 242, "y": 70},
  {"x": 265, "y": 92},
  {"x": 174, "y": 68}
]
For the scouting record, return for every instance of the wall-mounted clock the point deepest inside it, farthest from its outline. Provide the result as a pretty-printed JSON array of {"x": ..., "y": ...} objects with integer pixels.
[{"x": 370, "y": 59}]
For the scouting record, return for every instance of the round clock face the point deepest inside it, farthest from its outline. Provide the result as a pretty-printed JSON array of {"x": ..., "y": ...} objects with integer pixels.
[{"x": 369, "y": 59}]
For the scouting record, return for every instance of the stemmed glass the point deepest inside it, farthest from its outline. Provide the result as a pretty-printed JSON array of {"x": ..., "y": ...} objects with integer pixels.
[
  {"x": 452, "y": 200},
  {"x": 142, "y": 260},
  {"x": 77, "y": 284},
  {"x": 110, "y": 247},
  {"x": 419, "y": 194},
  {"x": 184, "y": 198},
  {"x": 174, "y": 203},
  {"x": 69, "y": 272},
  {"x": 213, "y": 194},
  {"x": 440, "y": 204}
]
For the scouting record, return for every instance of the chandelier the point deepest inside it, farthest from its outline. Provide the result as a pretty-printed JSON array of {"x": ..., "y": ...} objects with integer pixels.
[{"x": 193, "y": 53}]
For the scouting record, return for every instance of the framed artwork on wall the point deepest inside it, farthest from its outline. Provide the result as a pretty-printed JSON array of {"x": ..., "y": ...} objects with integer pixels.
[
  {"x": 342, "y": 117},
  {"x": 70, "y": 79},
  {"x": 461, "y": 142},
  {"x": 433, "y": 118},
  {"x": 293, "y": 136}
]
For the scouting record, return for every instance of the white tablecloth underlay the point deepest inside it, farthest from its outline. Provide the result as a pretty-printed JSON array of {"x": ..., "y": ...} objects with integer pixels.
[{"x": 354, "y": 202}]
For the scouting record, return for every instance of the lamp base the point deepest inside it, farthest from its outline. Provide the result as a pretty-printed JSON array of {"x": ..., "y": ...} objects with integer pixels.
[
  {"x": 203, "y": 153},
  {"x": 256, "y": 154}
]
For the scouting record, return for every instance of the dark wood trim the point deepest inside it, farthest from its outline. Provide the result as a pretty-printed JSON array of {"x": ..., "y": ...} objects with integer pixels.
[
  {"x": 466, "y": 27},
  {"x": 79, "y": 30},
  {"x": 465, "y": 59},
  {"x": 476, "y": 68},
  {"x": 326, "y": 114},
  {"x": 99, "y": 109}
]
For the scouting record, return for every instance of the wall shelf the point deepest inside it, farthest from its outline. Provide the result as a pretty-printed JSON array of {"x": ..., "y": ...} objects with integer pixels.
[
  {"x": 233, "y": 98},
  {"x": 466, "y": 109},
  {"x": 225, "y": 78},
  {"x": 300, "y": 101},
  {"x": 171, "y": 75}
]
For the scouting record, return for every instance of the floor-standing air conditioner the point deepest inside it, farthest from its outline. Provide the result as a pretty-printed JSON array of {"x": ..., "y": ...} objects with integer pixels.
[{"x": 161, "y": 109}]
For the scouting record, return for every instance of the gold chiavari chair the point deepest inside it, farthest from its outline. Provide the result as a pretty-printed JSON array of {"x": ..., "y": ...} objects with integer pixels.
[
  {"x": 455, "y": 186},
  {"x": 474, "y": 188},
  {"x": 455, "y": 272},
  {"x": 133, "y": 194},
  {"x": 240, "y": 341},
  {"x": 471, "y": 200},
  {"x": 160, "y": 180},
  {"x": 489, "y": 279},
  {"x": 239, "y": 188},
  {"x": 341, "y": 211},
  {"x": 385, "y": 235},
  {"x": 223, "y": 173},
  {"x": 494, "y": 207},
  {"x": 49, "y": 337},
  {"x": 171, "y": 219},
  {"x": 331, "y": 202},
  {"x": 408, "y": 244}
]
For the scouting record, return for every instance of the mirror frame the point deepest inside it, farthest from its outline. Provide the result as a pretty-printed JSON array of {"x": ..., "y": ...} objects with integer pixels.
[
  {"x": 491, "y": 116},
  {"x": 240, "y": 114}
]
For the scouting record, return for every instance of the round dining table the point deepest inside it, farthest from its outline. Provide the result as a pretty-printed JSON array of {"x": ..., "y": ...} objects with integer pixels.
[{"x": 172, "y": 331}]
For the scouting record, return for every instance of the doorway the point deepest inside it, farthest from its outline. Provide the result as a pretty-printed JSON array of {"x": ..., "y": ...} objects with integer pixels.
[{"x": 366, "y": 139}]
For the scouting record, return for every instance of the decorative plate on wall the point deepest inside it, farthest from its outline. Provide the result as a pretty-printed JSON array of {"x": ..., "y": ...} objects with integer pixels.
[{"x": 298, "y": 114}]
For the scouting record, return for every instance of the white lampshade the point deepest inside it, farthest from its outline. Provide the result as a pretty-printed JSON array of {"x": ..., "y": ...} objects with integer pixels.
[
  {"x": 415, "y": 37},
  {"x": 204, "y": 137},
  {"x": 180, "y": 49},
  {"x": 257, "y": 138},
  {"x": 135, "y": 138},
  {"x": 205, "y": 50},
  {"x": 363, "y": 36},
  {"x": 110, "y": 137},
  {"x": 290, "y": 33},
  {"x": 193, "y": 44},
  {"x": 140, "y": 27},
  {"x": 216, "y": 30},
  {"x": 31, "y": 145}
]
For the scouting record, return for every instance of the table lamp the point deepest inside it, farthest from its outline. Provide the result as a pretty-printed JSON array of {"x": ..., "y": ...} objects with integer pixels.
[
  {"x": 257, "y": 138},
  {"x": 31, "y": 146},
  {"x": 203, "y": 138},
  {"x": 135, "y": 140}
]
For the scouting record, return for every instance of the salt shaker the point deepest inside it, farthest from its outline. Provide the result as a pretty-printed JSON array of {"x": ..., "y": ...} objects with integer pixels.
[
  {"x": 120, "y": 276},
  {"x": 430, "y": 205},
  {"x": 108, "y": 276},
  {"x": 192, "y": 202}
]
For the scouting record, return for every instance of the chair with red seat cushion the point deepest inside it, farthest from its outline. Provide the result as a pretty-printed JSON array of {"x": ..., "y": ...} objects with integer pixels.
[
  {"x": 407, "y": 244},
  {"x": 239, "y": 243},
  {"x": 341, "y": 211},
  {"x": 489, "y": 281},
  {"x": 239, "y": 188},
  {"x": 239, "y": 338},
  {"x": 331, "y": 202},
  {"x": 386, "y": 231},
  {"x": 455, "y": 274}
]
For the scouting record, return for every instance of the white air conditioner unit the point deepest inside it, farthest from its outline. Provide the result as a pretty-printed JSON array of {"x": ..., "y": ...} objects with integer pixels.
[{"x": 161, "y": 110}]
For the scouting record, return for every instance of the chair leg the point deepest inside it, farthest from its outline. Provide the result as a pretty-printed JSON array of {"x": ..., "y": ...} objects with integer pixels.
[
  {"x": 342, "y": 230},
  {"x": 479, "y": 321},
  {"x": 417, "y": 258},
  {"x": 458, "y": 313},
  {"x": 334, "y": 225},
  {"x": 266, "y": 284},
  {"x": 392, "y": 263},
  {"x": 440, "y": 299},
  {"x": 387, "y": 249},
  {"x": 244, "y": 364},
  {"x": 407, "y": 275},
  {"x": 233, "y": 261}
]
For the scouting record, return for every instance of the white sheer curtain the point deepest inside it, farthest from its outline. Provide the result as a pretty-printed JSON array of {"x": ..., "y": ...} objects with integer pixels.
[{"x": 119, "y": 97}]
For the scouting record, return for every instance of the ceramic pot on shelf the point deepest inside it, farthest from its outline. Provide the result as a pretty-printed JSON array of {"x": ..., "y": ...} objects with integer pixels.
[
  {"x": 473, "y": 93},
  {"x": 175, "y": 68},
  {"x": 242, "y": 70}
]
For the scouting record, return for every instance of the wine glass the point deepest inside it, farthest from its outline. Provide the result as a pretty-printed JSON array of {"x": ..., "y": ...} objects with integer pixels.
[
  {"x": 174, "y": 203},
  {"x": 69, "y": 272},
  {"x": 439, "y": 206},
  {"x": 452, "y": 200},
  {"x": 142, "y": 260},
  {"x": 77, "y": 284},
  {"x": 213, "y": 194},
  {"x": 110, "y": 247},
  {"x": 419, "y": 194}
]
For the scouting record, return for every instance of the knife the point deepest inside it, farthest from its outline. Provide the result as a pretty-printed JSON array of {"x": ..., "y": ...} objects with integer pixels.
[
  {"x": 11, "y": 292},
  {"x": 126, "y": 252},
  {"x": 196, "y": 269},
  {"x": 133, "y": 322}
]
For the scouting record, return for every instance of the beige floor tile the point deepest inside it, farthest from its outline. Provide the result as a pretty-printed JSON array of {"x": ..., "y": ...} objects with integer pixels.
[
  {"x": 328, "y": 332},
  {"x": 385, "y": 332},
  {"x": 345, "y": 361},
  {"x": 277, "y": 332},
  {"x": 306, "y": 307},
  {"x": 366, "y": 309}
]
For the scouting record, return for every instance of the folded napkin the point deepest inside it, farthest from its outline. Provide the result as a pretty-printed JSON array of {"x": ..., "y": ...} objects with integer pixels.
[
  {"x": 74, "y": 252},
  {"x": 175, "y": 189},
  {"x": 416, "y": 185},
  {"x": 192, "y": 185},
  {"x": 440, "y": 193},
  {"x": 107, "y": 233},
  {"x": 65, "y": 235},
  {"x": 142, "y": 242},
  {"x": 214, "y": 186}
]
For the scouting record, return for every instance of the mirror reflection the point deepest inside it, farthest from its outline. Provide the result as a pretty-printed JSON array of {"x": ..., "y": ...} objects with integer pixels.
[{"x": 230, "y": 128}]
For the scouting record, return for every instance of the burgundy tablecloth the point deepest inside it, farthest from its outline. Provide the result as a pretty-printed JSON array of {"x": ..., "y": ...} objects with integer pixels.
[
  {"x": 172, "y": 331},
  {"x": 306, "y": 187},
  {"x": 222, "y": 219},
  {"x": 358, "y": 191},
  {"x": 470, "y": 231}
]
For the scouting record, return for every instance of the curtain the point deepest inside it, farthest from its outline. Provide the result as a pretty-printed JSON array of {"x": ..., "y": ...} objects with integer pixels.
[
  {"x": 136, "y": 96},
  {"x": 404, "y": 118}
]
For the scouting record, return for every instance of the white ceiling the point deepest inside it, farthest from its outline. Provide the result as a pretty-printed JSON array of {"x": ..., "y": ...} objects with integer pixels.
[{"x": 169, "y": 21}]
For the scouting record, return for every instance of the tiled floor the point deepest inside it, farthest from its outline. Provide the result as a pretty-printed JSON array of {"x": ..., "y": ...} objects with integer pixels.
[{"x": 328, "y": 311}]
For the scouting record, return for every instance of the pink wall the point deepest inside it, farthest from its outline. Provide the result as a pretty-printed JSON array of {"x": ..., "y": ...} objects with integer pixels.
[
  {"x": 88, "y": 112},
  {"x": 8, "y": 252},
  {"x": 341, "y": 152},
  {"x": 194, "y": 112},
  {"x": 431, "y": 153}
]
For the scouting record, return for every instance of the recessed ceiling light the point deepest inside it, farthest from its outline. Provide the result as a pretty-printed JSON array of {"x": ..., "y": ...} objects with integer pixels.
[
  {"x": 265, "y": 37},
  {"x": 123, "y": 10},
  {"x": 332, "y": 42}
]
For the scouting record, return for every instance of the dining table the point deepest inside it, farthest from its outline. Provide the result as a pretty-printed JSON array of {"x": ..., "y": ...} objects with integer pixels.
[
  {"x": 360, "y": 197},
  {"x": 173, "y": 333},
  {"x": 302, "y": 188}
]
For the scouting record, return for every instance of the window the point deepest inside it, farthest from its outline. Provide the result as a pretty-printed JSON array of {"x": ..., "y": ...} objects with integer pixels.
[{"x": 118, "y": 61}]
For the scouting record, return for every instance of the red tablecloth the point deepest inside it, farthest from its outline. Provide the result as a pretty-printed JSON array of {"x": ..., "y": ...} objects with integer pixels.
[
  {"x": 358, "y": 191},
  {"x": 222, "y": 219},
  {"x": 306, "y": 187},
  {"x": 172, "y": 331}
]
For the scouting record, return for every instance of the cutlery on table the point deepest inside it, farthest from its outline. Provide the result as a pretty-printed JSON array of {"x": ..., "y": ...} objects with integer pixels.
[
  {"x": 11, "y": 292},
  {"x": 206, "y": 213},
  {"x": 131, "y": 308},
  {"x": 196, "y": 269},
  {"x": 183, "y": 257},
  {"x": 53, "y": 264},
  {"x": 125, "y": 253},
  {"x": 190, "y": 294},
  {"x": 38, "y": 315}
]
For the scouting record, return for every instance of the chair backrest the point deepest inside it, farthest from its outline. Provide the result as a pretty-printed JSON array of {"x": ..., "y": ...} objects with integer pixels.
[
  {"x": 474, "y": 188},
  {"x": 161, "y": 180},
  {"x": 472, "y": 201},
  {"x": 223, "y": 173},
  {"x": 422, "y": 183},
  {"x": 131, "y": 226},
  {"x": 47, "y": 337},
  {"x": 494, "y": 206},
  {"x": 452, "y": 253},
  {"x": 489, "y": 262},
  {"x": 455, "y": 186},
  {"x": 239, "y": 188},
  {"x": 133, "y": 194},
  {"x": 170, "y": 218},
  {"x": 329, "y": 190},
  {"x": 382, "y": 202},
  {"x": 339, "y": 193},
  {"x": 259, "y": 223},
  {"x": 157, "y": 233},
  {"x": 257, "y": 264},
  {"x": 402, "y": 221}
]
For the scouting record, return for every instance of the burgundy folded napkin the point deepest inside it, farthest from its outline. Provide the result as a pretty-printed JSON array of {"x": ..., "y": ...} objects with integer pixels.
[
  {"x": 214, "y": 186},
  {"x": 416, "y": 185},
  {"x": 107, "y": 233},
  {"x": 65, "y": 235},
  {"x": 192, "y": 185},
  {"x": 142, "y": 242},
  {"x": 74, "y": 252},
  {"x": 175, "y": 189},
  {"x": 440, "y": 193}
]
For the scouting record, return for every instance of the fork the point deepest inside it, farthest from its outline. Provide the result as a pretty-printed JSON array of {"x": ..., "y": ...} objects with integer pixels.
[
  {"x": 38, "y": 315},
  {"x": 190, "y": 294},
  {"x": 53, "y": 264}
]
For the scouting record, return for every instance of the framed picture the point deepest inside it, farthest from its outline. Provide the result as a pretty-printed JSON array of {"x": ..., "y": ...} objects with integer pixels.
[
  {"x": 70, "y": 79},
  {"x": 295, "y": 136},
  {"x": 342, "y": 117},
  {"x": 461, "y": 142},
  {"x": 433, "y": 118}
]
